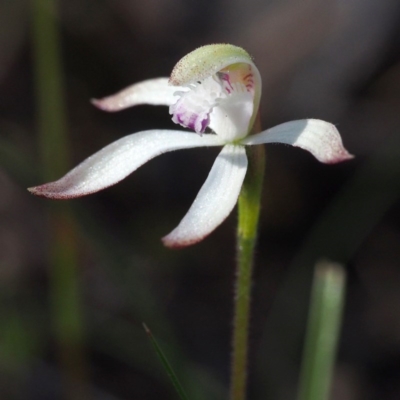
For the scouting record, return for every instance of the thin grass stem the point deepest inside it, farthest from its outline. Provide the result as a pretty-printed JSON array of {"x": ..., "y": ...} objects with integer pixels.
[{"x": 65, "y": 298}]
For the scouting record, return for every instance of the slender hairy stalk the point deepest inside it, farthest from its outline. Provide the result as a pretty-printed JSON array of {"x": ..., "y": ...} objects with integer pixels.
[
  {"x": 249, "y": 210},
  {"x": 323, "y": 328},
  {"x": 63, "y": 280}
]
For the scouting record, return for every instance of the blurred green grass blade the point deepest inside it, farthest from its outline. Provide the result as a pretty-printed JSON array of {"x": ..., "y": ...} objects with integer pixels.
[
  {"x": 49, "y": 84},
  {"x": 65, "y": 300},
  {"x": 167, "y": 366},
  {"x": 323, "y": 329}
]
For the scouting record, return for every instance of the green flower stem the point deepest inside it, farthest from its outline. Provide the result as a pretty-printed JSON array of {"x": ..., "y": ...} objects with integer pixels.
[
  {"x": 249, "y": 211},
  {"x": 62, "y": 235},
  {"x": 323, "y": 329}
]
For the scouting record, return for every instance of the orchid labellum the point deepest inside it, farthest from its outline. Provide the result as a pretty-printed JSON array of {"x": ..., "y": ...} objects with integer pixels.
[{"x": 214, "y": 91}]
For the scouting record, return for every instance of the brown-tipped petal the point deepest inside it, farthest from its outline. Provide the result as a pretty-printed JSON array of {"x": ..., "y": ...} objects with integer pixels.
[
  {"x": 215, "y": 200},
  {"x": 320, "y": 138},
  {"x": 117, "y": 160},
  {"x": 153, "y": 91}
]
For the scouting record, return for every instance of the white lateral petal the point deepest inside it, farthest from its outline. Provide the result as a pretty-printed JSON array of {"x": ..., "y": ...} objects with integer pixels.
[
  {"x": 215, "y": 201},
  {"x": 117, "y": 160},
  {"x": 156, "y": 92},
  {"x": 320, "y": 138}
]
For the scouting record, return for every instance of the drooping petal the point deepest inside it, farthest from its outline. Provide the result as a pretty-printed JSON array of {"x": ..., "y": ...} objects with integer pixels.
[
  {"x": 117, "y": 160},
  {"x": 156, "y": 92},
  {"x": 320, "y": 138},
  {"x": 215, "y": 201}
]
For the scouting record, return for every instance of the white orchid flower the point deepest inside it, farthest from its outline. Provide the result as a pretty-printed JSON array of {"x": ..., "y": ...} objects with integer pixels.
[{"x": 215, "y": 88}]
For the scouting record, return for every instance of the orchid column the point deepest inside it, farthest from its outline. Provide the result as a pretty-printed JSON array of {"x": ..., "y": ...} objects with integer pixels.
[{"x": 214, "y": 91}]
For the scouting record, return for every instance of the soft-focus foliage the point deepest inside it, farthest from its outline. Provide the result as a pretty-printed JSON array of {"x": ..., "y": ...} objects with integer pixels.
[{"x": 332, "y": 60}]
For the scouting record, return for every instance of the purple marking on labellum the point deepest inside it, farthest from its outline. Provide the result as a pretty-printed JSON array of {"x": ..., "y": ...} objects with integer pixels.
[{"x": 196, "y": 122}]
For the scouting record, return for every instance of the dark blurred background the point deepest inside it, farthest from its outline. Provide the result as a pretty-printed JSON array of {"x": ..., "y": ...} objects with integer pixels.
[{"x": 336, "y": 60}]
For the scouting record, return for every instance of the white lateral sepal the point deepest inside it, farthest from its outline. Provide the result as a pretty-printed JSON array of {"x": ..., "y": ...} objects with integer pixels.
[{"x": 117, "y": 160}]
